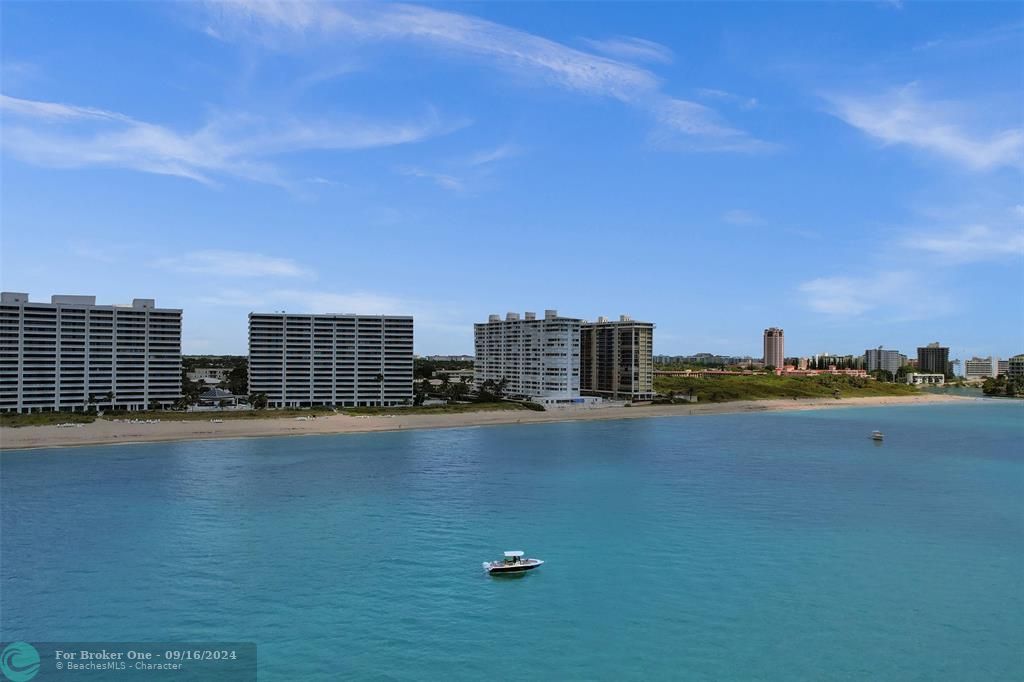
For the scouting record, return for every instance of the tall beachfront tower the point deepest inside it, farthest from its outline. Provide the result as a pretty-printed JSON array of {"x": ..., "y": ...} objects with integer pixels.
[
  {"x": 880, "y": 359},
  {"x": 774, "y": 351},
  {"x": 331, "y": 360},
  {"x": 537, "y": 358},
  {"x": 616, "y": 359},
  {"x": 71, "y": 354},
  {"x": 933, "y": 359}
]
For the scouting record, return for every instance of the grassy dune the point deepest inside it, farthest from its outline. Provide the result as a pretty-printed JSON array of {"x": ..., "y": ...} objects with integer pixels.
[
  {"x": 45, "y": 419},
  {"x": 759, "y": 387}
]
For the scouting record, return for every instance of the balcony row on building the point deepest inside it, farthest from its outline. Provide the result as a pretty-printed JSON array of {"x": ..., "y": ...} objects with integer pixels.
[
  {"x": 331, "y": 360},
  {"x": 71, "y": 354},
  {"x": 561, "y": 360}
]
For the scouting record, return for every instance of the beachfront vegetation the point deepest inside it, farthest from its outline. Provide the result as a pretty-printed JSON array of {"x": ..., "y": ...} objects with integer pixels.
[
  {"x": 174, "y": 415},
  {"x": 1004, "y": 386},
  {"x": 46, "y": 418},
  {"x": 427, "y": 369},
  {"x": 237, "y": 380},
  {"x": 761, "y": 387}
]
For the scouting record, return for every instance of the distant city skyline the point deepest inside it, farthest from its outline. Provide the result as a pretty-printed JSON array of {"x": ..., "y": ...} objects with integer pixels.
[{"x": 848, "y": 172}]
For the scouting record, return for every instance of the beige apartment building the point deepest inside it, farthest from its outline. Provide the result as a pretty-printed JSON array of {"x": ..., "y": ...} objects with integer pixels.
[
  {"x": 774, "y": 347},
  {"x": 616, "y": 359},
  {"x": 71, "y": 354}
]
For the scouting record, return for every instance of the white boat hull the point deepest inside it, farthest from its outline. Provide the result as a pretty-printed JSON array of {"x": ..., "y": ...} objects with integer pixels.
[{"x": 501, "y": 568}]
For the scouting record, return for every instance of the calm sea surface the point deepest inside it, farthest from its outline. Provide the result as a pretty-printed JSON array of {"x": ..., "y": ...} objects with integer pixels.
[{"x": 758, "y": 546}]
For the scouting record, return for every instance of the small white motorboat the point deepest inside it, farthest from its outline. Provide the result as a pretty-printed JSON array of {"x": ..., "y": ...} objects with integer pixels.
[
  {"x": 877, "y": 435},
  {"x": 514, "y": 562}
]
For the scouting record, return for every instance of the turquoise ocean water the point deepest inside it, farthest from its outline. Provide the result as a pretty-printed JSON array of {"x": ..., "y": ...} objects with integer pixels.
[{"x": 782, "y": 546}]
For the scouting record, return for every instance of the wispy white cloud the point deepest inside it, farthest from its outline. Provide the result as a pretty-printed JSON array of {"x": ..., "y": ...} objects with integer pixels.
[
  {"x": 309, "y": 301},
  {"x": 855, "y": 296},
  {"x": 317, "y": 180},
  {"x": 971, "y": 243},
  {"x": 903, "y": 116},
  {"x": 690, "y": 125},
  {"x": 434, "y": 315},
  {"x": 741, "y": 101},
  {"x": 980, "y": 227},
  {"x": 631, "y": 49},
  {"x": 802, "y": 233},
  {"x": 980, "y": 40},
  {"x": 14, "y": 72},
  {"x": 739, "y": 216},
  {"x": 500, "y": 153},
  {"x": 59, "y": 135},
  {"x": 440, "y": 179},
  {"x": 56, "y": 111},
  {"x": 106, "y": 252},
  {"x": 463, "y": 172},
  {"x": 328, "y": 73},
  {"x": 234, "y": 264},
  {"x": 312, "y": 25},
  {"x": 279, "y": 23}
]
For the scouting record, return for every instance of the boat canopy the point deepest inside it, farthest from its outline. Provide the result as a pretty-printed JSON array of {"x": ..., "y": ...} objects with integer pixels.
[{"x": 516, "y": 553}]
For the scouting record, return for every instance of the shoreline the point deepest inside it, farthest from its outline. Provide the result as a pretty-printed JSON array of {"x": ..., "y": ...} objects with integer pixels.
[{"x": 103, "y": 432}]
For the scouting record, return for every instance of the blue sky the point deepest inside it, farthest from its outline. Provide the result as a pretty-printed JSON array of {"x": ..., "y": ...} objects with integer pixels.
[{"x": 850, "y": 172}]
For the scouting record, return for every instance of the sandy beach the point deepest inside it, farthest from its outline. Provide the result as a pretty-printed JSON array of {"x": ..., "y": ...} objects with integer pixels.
[{"x": 102, "y": 432}]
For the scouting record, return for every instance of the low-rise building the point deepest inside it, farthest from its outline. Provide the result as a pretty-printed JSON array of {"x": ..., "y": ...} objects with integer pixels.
[
  {"x": 210, "y": 376},
  {"x": 449, "y": 358},
  {"x": 926, "y": 379},
  {"x": 1015, "y": 366}
]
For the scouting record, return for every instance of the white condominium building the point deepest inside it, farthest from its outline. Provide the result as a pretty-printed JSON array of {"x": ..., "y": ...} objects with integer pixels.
[
  {"x": 71, "y": 354},
  {"x": 539, "y": 358},
  {"x": 616, "y": 359},
  {"x": 331, "y": 360},
  {"x": 979, "y": 368}
]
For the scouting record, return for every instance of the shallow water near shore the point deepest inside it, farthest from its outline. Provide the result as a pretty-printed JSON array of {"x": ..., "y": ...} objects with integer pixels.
[{"x": 772, "y": 546}]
